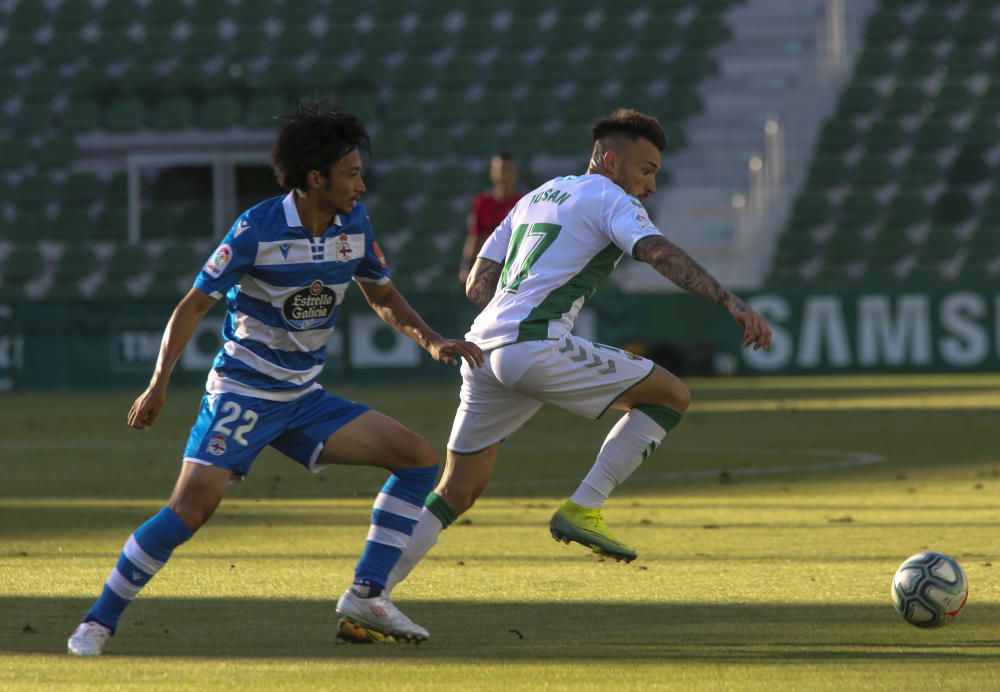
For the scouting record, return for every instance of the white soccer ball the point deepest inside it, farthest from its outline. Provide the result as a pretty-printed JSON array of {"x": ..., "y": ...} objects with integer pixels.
[{"x": 929, "y": 589}]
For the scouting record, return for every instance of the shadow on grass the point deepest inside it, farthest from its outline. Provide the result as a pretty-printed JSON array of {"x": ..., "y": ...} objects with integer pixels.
[{"x": 593, "y": 631}]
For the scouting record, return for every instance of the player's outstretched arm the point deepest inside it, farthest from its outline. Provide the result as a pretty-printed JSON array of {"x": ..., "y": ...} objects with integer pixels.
[
  {"x": 675, "y": 264},
  {"x": 482, "y": 281},
  {"x": 390, "y": 305},
  {"x": 188, "y": 313}
]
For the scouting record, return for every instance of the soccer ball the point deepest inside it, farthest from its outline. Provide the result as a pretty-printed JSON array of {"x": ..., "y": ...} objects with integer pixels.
[{"x": 929, "y": 589}]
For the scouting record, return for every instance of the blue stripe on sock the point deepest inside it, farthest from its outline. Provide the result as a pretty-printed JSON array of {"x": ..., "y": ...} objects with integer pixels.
[
  {"x": 376, "y": 562},
  {"x": 161, "y": 534},
  {"x": 411, "y": 485},
  {"x": 130, "y": 571},
  {"x": 392, "y": 521},
  {"x": 157, "y": 537},
  {"x": 107, "y": 610}
]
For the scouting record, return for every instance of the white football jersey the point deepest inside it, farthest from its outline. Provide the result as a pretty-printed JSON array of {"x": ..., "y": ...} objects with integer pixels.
[{"x": 556, "y": 246}]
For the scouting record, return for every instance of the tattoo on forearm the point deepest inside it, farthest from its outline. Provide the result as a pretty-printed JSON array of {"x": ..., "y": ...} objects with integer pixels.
[
  {"x": 482, "y": 282},
  {"x": 679, "y": 267}
]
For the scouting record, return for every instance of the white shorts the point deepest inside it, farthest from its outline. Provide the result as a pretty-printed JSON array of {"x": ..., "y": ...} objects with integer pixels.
[{"x": 515, "y": 380}]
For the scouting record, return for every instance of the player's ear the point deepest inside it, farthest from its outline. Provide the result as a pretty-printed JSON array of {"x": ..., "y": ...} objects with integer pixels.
[
  {"x": 314, "y": 180},
  {"x": 610, "y": 160}
]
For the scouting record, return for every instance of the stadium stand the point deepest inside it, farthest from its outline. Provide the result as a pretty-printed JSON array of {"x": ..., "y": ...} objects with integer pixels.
[
  {"x": 442, "y": 84},
  {"x": 903, "y": 185}
]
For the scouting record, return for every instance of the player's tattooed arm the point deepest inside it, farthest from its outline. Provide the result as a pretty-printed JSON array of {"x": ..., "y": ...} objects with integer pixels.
[
  {"x": 482, "y": 281},
  {"x": 675, "y": 264}
]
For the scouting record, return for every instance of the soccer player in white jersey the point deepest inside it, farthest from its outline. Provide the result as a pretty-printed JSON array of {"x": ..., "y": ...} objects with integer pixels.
[
  {"x": 284, "y": 268},
  {"x": 532, "y": 277}
]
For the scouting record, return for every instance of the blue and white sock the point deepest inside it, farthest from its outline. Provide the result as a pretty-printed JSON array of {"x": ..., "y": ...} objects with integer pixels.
[
  {"x": 396, "y": 510},
  {"x": 144, "y": 555}
]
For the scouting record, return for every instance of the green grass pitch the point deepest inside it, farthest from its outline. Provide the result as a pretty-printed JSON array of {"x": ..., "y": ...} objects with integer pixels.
[{"x": 768, "y": 528}]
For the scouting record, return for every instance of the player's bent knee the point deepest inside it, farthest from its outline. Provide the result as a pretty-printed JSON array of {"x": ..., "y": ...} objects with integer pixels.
[
  {"x": 194, "y": 514},
  {"x": 459, "y": 497},
  {"x": 421, "y": 453},
  {"x": 680, "y": 397}
]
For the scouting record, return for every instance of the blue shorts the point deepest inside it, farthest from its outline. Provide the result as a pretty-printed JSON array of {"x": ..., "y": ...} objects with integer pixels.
[{"x": 232, "y": 429}]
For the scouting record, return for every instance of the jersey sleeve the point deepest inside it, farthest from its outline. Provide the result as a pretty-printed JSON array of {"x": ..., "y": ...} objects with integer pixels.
[
  {"x": 230, "y": 261},
  {"x": 629, "y": 222},
  {"x": 373, "y": 267},
  {"x": 495, "y": 247}
]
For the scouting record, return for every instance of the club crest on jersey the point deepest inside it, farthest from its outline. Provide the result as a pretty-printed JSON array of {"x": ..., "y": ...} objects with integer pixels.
[
  {"x": 217, "y": 445},
  {"x": 220, "y": 259},
  {"x": 344, "y": 250},
  {"x": 309, "y": 307}
]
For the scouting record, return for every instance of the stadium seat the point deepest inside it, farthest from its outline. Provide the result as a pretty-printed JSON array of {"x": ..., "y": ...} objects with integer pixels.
[
  {"x": 76, "y": 263},
  {"x": 952, "y": 207},
  {"x": 23, "y": 265},
  {"x": 884, "y": 136},
  {"x": 826, "y": 173},
  {"x": 858, "y": 209},
  {"x": 871, "y": 172},
  {"x": 919, "y": 172},
  {"x": 125, "y": 115},
  {"x": 906, "y": 209},
  {"x": 127, "y": 262},
  {"x": 171, "y": 114},
  {"x": 219, "y": 112}
]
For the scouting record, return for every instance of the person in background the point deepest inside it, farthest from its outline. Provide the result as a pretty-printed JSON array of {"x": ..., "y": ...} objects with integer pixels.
[{"x": 490, "y": 208}]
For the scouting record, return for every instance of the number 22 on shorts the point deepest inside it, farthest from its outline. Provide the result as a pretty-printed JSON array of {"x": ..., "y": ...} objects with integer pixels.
[{"x": 232, "y": 412}]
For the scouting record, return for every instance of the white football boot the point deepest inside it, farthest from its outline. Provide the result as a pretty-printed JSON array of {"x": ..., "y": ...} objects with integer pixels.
[
  {"x": 378, "y": 613},
  {"x": 88, "y": 639}
]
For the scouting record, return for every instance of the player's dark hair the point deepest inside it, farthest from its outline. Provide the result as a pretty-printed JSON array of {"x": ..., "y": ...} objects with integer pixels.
[
  {"x": 315, "y": 137},
  {"x": 503, "y": 155},
  {"x": 632, "y": 124}
]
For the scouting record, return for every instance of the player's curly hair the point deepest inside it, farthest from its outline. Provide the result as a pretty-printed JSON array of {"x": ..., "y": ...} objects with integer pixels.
[
  {"x": 632, "y": 124},
  {"x": 315, "y": 137}
]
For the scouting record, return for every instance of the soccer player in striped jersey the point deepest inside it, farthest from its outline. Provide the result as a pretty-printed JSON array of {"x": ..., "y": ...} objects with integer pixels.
[
  {"x": 284, "y": 268},
  {"x": 532, "y": 277}
]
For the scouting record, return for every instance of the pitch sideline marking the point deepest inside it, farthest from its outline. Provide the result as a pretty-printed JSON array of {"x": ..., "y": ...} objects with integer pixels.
[{"x": 842, "y": 459}]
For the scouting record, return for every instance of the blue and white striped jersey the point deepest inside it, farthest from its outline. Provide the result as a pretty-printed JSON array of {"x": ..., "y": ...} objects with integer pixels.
[{"x": 284, "y": 289}]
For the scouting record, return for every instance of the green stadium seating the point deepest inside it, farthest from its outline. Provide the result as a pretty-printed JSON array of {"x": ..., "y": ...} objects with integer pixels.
[
  {"x": 858, "y": 209},
  {"x": 23, "y": 265},
  {"x": 918, "y": 62},
  {"x": 933, "y": 135},
  {"x": 906, "y": 99},
  {"x": 57, "y": 151},
  {"x": 77, "y": 262},
  {"x": 809, "y": 211},
  {"x": 415, "y": 79},
  {"x": 919, "y": 172},
  {"x": 884, "y": 136},
  {"x": 858, "y": 99},
  {"x": 906, "y": 209},
  {"x": 837, "y": 137},
  {"x": 172, "y": 113},
  {"x": 874, "y": 62},
  {"x": 827, "y": 172},
  {"x": 872, "y": 171},
  {"x": 952, "y": 207},
  {"x": 127, "y": 263},
  {"x": 219, "y": 112},
  {"x": 125, "y": 115}
]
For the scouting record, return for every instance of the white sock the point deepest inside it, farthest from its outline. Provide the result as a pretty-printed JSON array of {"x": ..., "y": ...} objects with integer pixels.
[
  {"x": 424, "y": 536},
  {"x": 633, "y": 438}
]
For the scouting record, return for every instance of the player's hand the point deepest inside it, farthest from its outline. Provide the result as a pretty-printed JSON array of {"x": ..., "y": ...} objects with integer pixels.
[
  {"x": 756, "y": 333},
  {"x": 449, "y": 351},
  {"x": 147, "y": 407}
]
